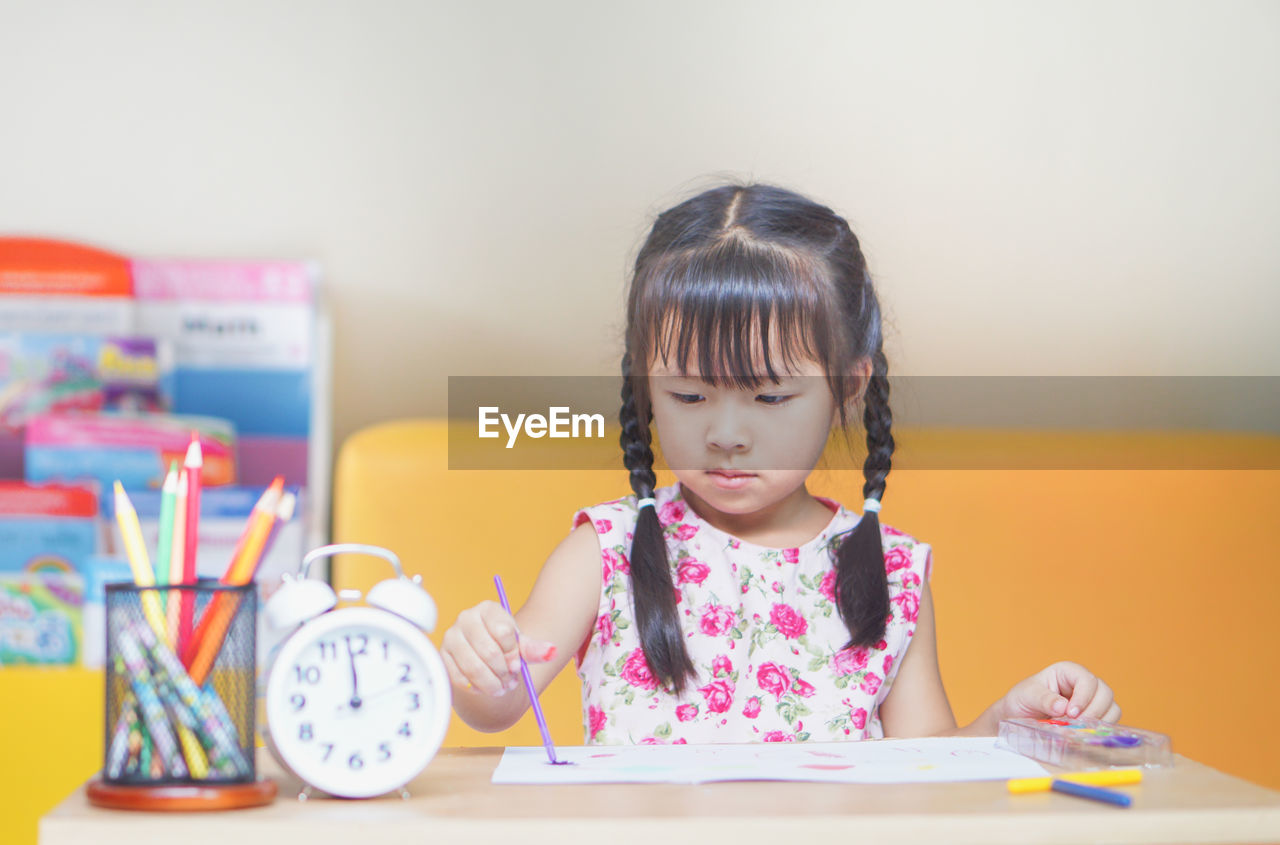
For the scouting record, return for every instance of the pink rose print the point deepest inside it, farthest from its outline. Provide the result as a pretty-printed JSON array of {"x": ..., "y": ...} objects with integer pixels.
[
  {"x": 721, "y": 664},
  {"x": 603, "y": 526},
  {"x": 651, "y": 740},
  {"x": 804, "y": 689},
  {"x": 671, "y": 513},
  {"x": 870, "y": 683},
  {"x": 604, "y": 624},
  {"x": 910, "y": 579},
  {"x": 858, "y": 717},
  {"x": 680, "y": 741},
  {"x": 897, "y": 558},
  {"x": 791, "y": 555},
  {"x": 888, "y": 664},
  {"x": 779, "y": 736},
  {"x": 614, "y": 562},
  {"x": 773, "y": 678},
  {"x": 719, "y": 695},
  {"x": 692, "y": 571},
  {"x": 716, "y": 619},
  {"x": 892, "y": 532},
  {"x": 776, "y": 587},
  {"x": 828, "y": 585},
  {"x": 788, "y": 622},
  {"x": 596, "y": 719},
  {"x": 753, "y": 707},
  {"x": 635, "y": 671},
  {"x": 909, "y": 603},
  {"x": 882, "y": 645},
  {"x": 687, "y": 712},
  {"x": 849, "y": 660},
  {"x": 685, "y": 531}
]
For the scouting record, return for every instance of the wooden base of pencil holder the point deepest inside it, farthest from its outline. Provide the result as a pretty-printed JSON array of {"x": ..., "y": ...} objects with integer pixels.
[{"x": 181, "y": 797}]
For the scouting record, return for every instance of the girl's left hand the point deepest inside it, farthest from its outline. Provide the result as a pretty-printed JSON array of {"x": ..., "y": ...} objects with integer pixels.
[{"x": 1063, "y": 689}]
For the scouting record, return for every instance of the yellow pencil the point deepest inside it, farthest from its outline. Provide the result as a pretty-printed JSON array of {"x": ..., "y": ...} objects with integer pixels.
[
  {"x": 136, "y": 550},
  {"x": 1104, "y": 777}
]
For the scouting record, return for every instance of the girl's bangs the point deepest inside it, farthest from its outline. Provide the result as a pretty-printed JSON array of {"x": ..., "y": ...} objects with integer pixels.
[{"x": 732, "y": 310}]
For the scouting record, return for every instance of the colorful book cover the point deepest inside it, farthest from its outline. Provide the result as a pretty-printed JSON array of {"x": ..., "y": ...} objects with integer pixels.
[
  {"x": 134, "y": 449},
  {"x": 40, "y": 617},
  {"x": 47, "y": 526},
  {"x": 60, "y": 373}
]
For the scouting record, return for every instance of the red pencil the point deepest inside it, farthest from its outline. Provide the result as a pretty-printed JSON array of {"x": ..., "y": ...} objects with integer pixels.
[{"x": 193, "y": 464}]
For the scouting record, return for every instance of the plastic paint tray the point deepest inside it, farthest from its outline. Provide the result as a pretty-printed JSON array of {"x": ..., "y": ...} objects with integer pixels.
[{"x": 1084, "y": 744}]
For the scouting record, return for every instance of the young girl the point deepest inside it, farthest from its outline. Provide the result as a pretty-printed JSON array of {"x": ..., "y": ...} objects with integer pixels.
[{"x": 735, "y": 606}]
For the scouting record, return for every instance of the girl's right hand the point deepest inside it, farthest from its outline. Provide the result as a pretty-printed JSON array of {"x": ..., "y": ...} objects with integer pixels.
[{"x": 482, "y": 650}]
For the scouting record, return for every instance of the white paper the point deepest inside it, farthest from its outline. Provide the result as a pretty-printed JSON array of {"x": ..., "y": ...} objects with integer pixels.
[{"x": 929, "y": 760}]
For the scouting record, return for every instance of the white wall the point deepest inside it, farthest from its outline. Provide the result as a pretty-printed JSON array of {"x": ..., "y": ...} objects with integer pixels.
[{"x": 1042, "y": 188}]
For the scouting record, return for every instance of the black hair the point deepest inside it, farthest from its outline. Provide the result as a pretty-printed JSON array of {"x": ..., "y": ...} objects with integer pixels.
[{"x": 720, "y": 272}]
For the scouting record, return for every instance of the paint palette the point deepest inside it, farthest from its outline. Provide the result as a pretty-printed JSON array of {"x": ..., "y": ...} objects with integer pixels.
[{"x": 1083, "y": 744}]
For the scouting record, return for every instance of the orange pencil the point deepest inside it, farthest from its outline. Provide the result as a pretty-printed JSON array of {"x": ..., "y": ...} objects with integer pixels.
[
  {"x": 205, "y": 643},
  {"x": 249, "y": 550}
]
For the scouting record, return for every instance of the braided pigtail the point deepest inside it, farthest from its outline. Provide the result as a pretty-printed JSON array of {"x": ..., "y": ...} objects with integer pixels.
[
  {"x": 652, "y": 589},
  {"x": 862, "y": 587}
]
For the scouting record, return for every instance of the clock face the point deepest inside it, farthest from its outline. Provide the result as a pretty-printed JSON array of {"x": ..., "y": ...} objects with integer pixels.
[{"x": 357, "y": 702}]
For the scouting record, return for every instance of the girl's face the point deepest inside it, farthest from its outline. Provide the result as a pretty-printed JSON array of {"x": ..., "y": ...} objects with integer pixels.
[{"x": 742, "y": 450}]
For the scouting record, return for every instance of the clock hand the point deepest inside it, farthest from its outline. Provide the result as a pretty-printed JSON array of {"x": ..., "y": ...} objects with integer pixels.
[
  {"x": 382, "y": 693},
  {"x": 355, "y": 681}
]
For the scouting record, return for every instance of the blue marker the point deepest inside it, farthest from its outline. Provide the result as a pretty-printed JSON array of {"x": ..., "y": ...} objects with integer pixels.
[{"x": 1096, "y": 793}]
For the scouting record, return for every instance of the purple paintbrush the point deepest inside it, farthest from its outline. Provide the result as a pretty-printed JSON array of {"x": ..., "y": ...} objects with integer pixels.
[{"x": 528, "y": 685}]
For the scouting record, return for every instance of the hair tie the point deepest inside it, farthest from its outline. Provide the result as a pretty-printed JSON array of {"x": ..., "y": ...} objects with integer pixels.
[
  {"x": 641, "y": 504},
  {"x": 872, "y": 505}
]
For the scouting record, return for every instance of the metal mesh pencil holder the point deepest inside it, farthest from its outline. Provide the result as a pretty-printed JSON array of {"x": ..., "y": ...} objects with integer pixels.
[{"x": 180, "y": 703}]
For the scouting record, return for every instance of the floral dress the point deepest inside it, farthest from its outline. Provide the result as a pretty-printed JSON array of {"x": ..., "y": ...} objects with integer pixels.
[{"x": 761, "y": 628}]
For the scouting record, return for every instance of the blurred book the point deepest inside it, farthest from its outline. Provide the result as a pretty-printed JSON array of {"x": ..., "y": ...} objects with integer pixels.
[
  {"x": 47, "y": 525},
  {"x": 134, "y": 449}
]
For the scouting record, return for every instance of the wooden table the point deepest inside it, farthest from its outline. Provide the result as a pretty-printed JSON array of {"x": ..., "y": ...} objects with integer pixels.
[{"x": 453, "y": 801}]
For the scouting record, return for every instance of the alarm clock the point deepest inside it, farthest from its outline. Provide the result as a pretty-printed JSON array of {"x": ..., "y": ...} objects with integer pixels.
[{"x": 357, "y": 699}]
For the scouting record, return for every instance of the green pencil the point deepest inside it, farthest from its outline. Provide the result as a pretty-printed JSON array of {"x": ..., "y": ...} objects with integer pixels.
[{"x": 168, "y": 493}]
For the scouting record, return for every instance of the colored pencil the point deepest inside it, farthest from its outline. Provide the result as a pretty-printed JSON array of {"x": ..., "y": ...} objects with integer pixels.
[
  {"x": 136, "y": 551},
  {"x": 164, "y": 551},
  {"x": 193, "y": 464},
  {"x": 1093, "y": 793},
  {"x": 248, "y": 554},
  {"x": 209, "y": 717},
  {"x": 174, "y": 605},
  {"x": 284, "y": 513},
  {"x": 529, "y": 688},
  {"x": 202, "y": 649},
  {"x": 1103, "y": 777},
  {"x": 153, "y": 713}
]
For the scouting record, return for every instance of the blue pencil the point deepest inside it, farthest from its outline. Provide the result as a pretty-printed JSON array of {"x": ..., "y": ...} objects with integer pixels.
[{"x": 1096, "y": 793}]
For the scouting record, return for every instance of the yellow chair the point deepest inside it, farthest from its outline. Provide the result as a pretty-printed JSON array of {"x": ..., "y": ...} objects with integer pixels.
[{"x": 1161, "y": 581}]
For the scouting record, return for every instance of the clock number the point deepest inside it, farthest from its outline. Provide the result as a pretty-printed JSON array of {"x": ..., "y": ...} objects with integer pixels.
[
  {"x": 328, "y": 650},
  {"x": 328, "y": 749},
  {"x": 404, "y": 678},
  {"x": 364, "y": 644},
  {"x": 384, "y": 751},
  {"x": 310, "y": 675},
  {"x": 298, "y": 701},
  {"x": 304, "y": 731},
  {"x": 415, "y": 701},
  {"x": 404, "y": 730},
  {"x": 356, "y": 761}
]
